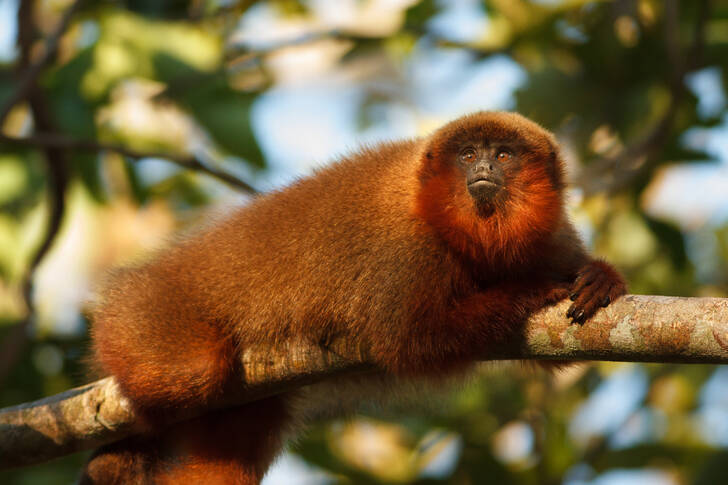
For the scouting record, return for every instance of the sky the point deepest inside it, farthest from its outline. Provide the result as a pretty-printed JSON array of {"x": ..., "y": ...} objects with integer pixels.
[{"x": 7, "y": 29}]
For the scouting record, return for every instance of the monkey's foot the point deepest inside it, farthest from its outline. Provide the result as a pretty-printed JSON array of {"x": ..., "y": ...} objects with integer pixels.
[{"x": 597, "y": 284}]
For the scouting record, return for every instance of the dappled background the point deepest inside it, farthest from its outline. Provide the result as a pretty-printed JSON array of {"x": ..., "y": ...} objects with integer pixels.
[{"x": 125, "y": 121}]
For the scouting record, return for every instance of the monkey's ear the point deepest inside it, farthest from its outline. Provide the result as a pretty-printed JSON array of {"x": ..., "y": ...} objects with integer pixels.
[
  {"x": 556, "y": 169},
  {"x": 429, "y": 166}
]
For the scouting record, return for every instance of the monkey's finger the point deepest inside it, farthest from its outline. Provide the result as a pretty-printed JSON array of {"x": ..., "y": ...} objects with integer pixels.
[
  {"x": 580, "y": 317},
  {"x": 582, "y": 297},
  {"x": 577, "y": 287},
  {"x": 575, "y": 314},
  {"x": 570, "y": 312},
  {"x": 583, "y": 280},
  {"x": 596, "y": 296},
  {"x": 587, "y": 302},
  {"x": 610, "y": 290},
  {"x": 573, "y": 309},
  {"x": 588, "y": 311},
  {"x": 618, "y": 289}
]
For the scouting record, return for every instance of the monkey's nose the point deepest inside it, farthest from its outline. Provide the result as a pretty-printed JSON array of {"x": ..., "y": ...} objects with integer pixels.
[{"x": 484, "y": 166}]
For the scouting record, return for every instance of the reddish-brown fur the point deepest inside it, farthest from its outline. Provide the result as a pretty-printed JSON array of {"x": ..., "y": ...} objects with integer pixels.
[
  {"x": 386, "y": 246},
  {"x": 232, "y": 446}
]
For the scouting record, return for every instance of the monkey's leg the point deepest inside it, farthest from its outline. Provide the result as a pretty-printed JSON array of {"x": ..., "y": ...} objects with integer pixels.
[{"x": 228, "y": 447}]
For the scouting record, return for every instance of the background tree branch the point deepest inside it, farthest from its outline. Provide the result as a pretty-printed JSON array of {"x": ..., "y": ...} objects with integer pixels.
[
  {"x": 634, "y": 328},
  {"x": 57, "y": 141}
]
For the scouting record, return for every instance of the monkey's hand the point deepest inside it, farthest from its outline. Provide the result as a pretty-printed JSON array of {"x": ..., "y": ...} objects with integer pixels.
[{"x": 597, "y": 284}]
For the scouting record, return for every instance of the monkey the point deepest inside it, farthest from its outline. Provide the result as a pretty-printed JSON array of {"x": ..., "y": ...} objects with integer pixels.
[{"x": 431, "y": 252}]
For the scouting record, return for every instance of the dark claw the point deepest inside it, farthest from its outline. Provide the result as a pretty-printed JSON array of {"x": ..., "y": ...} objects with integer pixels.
[
  {"x": 573, "y": 296},
  {"x": 606, "y": 300},
  {"x": 579, "y": 316},
  {"x": 570, "y": 311}
]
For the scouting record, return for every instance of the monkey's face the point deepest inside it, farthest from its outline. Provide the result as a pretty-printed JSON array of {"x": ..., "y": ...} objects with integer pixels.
[
  {"x": 491, "y": 183},
  {"x": 483, "y": 167},
  {"x": 497, "y": 160}
]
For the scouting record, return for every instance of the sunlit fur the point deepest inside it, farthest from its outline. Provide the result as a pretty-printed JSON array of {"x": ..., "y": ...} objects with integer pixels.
[{"x": 384, "y": 246}]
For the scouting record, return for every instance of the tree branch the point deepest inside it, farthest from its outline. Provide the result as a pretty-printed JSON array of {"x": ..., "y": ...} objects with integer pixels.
[
  {"x": 634, "y": 328},
  {"x": 54, "y": 140}
]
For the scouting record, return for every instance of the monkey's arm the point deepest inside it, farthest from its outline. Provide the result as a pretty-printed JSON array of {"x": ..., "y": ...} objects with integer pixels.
[
  {"x": 488, "y": 320},
  {"x": 594, "y": 282}
]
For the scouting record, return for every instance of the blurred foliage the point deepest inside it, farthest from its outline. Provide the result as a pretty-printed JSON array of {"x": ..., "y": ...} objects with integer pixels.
[{"x": 167, "y": 76}]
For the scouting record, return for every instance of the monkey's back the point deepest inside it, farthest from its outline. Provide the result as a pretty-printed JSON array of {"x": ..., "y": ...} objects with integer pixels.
[
  {"x": 333, "y": 252},
  {"x": 338, "y": 252}
]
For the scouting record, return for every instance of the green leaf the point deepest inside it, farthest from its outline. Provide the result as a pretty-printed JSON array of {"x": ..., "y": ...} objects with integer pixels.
[
  {"x": 419, "y": 14},
  {"x": 223, "y": 111},
  {"x": 71, "y": 109},
  {"x": 22, "y": 180}
]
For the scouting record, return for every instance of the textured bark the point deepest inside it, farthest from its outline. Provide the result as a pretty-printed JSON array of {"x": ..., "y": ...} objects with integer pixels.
[{"x": 634, "y": 328}]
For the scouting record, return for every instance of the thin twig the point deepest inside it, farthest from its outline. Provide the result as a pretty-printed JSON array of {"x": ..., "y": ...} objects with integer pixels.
[
  {"x": 29, "y": 77},
  {"x": 239, "y": 54},
  {"x": 234, "y": 9},
  {"x": 54, "y": 140}
]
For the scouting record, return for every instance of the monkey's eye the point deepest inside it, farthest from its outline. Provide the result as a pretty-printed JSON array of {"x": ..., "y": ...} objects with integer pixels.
[
  {"x": 468, "y": 155},
  {"x": 503, "y": 156}
]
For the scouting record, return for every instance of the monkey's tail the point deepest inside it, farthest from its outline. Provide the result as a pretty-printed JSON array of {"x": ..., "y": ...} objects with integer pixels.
[{"x": 228, "y": 447}]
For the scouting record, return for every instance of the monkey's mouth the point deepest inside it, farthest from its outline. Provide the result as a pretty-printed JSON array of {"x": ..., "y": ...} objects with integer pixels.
[
  {"x": 483, "y": 188},
  {"x": 482, "y": 182}
]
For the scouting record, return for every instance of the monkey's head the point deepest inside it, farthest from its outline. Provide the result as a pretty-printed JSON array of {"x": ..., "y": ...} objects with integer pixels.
[{"x": 491, "y": 183}]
